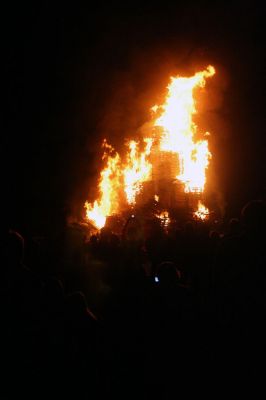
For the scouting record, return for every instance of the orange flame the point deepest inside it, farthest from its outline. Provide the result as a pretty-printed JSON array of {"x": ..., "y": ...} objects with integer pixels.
[
  {"x": 202, "y": 212},
  {"x": 137, "y": 170},
  {"x": 164, "y": 217},
  {"x": 178, "y": 130},
  {"x": 109, "y": 186},
  {"x": 176, "y": 134}
]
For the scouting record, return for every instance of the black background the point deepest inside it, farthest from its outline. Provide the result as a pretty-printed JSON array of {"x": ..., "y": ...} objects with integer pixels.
[{"x": 73, "y": 75}]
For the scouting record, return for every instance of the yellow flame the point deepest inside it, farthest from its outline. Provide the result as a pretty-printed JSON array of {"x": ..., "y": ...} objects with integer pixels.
[
  {"x": 202, "y": 212},
  {"x": 178, "y": 130},
  {"x": 156, "y": 198},
  {"x": 164, "y": 217},
  {"x": 109, "y": 185},
  {"x": 154, "y": 108},
  {"x": 137, "y": 170},
  {"x": 176, "y": 134}
]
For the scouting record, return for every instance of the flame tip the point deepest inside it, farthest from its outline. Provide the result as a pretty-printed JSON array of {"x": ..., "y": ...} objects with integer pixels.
[{"x": 175, "y": 133}]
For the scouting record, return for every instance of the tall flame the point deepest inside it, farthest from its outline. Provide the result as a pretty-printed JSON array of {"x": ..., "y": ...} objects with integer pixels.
[
  {"x": 176, "y": 135},
  {"x": 178, "y": 130},
  {"x": 109, "y": 186},
  {"x": 138, "y": 169}
]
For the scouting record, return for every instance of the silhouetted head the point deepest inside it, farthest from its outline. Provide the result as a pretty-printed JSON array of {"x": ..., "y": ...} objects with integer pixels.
[
  {"x": 189, "y": 228},
  {"x": 234, "y": 226},
  {"x": 167, "y": 273},
  {"x": 214, "y": 236},
  {"x": 105, "y": 234},
  {"x": 77, "y": 307},
  {"x": 93, "y": 239},
  {"x": 54, "y": 294},
  {"x": 14, "y": 247},
  {"x": 254, "y": 215}
]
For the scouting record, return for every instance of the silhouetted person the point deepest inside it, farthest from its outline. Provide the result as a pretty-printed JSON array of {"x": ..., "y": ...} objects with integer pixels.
[
  {"x": 20, "y": 306},
  {"x": 234, "y": 227},
  {"x": 86, "y": 347},
  {"x": 253, "y": 243},
  {"x": 239, "y": 290},
  {"x": 22, "y": 284}
]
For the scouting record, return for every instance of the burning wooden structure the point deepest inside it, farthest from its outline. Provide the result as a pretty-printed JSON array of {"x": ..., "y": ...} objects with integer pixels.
[{"x": 165, "y": 174}]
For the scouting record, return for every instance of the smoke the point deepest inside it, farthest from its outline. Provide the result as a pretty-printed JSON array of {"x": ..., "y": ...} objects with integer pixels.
[
  {"x": 212, "y": 118},
  {"x": 128, "y": 72}
]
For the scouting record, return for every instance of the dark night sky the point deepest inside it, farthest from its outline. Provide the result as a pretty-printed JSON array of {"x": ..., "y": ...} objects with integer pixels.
[{"x": 74, "y": 75}]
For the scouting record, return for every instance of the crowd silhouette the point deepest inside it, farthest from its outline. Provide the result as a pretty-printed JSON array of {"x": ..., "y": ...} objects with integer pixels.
[{"x": 137, "y": 315}]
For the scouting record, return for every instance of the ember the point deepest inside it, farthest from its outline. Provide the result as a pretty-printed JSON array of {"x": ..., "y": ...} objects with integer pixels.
[
  {"x": 164, "y": 217},
  {"x": 171, "y": 157},
  {"x": 202, "y": 212}
]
